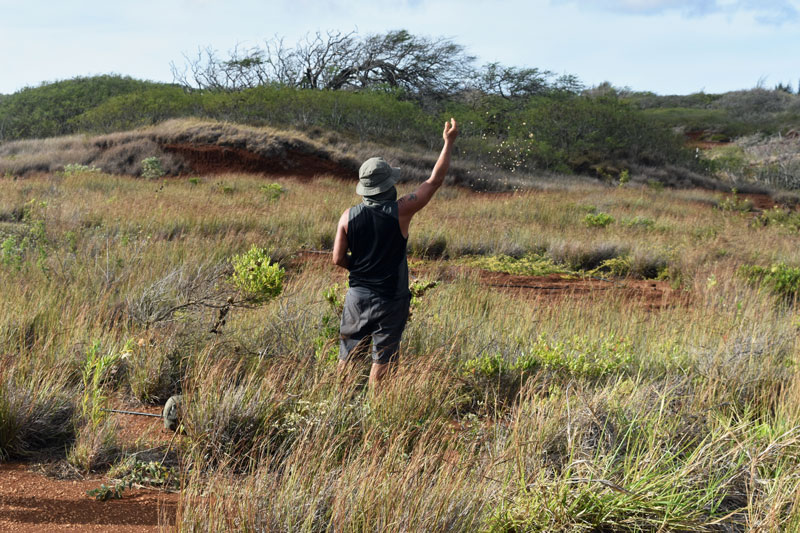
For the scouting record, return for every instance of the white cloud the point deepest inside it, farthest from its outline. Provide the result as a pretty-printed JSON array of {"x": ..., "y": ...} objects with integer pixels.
[{"x": 775, "y": 12}]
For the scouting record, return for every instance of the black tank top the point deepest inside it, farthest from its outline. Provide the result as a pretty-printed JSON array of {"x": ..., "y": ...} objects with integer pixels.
[{"x": 378, "y": 250}]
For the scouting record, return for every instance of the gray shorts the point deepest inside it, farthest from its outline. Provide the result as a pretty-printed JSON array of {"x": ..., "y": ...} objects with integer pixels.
[{"x": 369, "y": 318}]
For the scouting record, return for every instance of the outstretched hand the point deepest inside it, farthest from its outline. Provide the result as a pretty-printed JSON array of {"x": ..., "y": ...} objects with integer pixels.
[{"x": 450, "y": 131}]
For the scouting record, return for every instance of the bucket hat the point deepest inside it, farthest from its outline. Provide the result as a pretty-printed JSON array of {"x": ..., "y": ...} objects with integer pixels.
[{"x": 376, "y": 176}]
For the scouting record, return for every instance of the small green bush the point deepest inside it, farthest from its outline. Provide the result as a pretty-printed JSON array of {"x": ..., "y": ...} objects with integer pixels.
[
  {"x": 779, "y": 217},
  {"x": 600, "y": 220},
  {"x": 638, "y": 222},
  {"x": 735, "y": 203},
  {"x": 616, "y": 266},
  {"x": 273, "y": 191},
  {"x": 152, "y": 168},
  {"x": 579, "y": 355},
  {"x": 487, "y": 365},
  {"x": 255, "y": 275},
  {"x": 779, "y": 279},
  {"x": 11, "y": 252}
]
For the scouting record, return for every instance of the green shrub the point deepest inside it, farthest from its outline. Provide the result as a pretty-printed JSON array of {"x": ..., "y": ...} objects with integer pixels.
[
  {"x": 638, "y": 222},
  {"x": 599, "y": 220},
  {"x": 256, "y": 276},
  {"x": 779, "y": 279},
  {"x": 273, "y": 191},
  {"x": 616, "y": 266},
  {"x": 95, "y": 441},
  {"x": 528, "y": 265},
  {"x": 11, "y": 252},
  {"x": 579, "y": 355},
  {"x": 487, "y": 365},
  {"x": 49, "y": 110},
  {"x": 735, "y": 203},
  {"x": 151, "y": 168},
  {"x": 779, "y": 217}
]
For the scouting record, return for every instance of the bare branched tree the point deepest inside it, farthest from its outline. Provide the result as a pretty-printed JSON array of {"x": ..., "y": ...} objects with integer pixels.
[{"x": 334, "y": 60}]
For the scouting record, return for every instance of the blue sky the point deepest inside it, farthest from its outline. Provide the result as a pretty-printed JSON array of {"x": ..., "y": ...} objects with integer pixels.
[{"x": 665, "y": 46}]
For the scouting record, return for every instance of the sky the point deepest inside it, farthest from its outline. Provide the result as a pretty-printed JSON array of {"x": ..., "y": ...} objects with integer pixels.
[{"x": 663, "y": 46}]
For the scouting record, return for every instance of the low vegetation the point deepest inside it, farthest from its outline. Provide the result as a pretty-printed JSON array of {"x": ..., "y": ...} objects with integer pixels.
[{"x": 506, "y": 413}]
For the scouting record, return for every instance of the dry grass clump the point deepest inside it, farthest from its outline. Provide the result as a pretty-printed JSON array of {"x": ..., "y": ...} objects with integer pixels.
[
  {"x": 35, "y": 414},
  {"x": 19, "y": 158}
]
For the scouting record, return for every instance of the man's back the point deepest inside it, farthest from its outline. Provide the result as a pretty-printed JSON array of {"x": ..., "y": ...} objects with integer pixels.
[{"x": 377, "y": 250}]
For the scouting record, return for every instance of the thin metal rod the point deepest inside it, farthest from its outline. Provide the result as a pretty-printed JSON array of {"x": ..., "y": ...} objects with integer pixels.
[{"x": 131, "y": 412}]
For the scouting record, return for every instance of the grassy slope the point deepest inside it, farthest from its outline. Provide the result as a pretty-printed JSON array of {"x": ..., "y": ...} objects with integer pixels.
[{"x": 505, "y": 414}]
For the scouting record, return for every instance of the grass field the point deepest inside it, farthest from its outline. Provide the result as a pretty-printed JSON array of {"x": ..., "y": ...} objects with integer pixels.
[{"x": 509, "y": 411}]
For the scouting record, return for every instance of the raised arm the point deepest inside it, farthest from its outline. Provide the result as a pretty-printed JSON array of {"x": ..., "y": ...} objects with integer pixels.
[{"x": 411, "y": 203}]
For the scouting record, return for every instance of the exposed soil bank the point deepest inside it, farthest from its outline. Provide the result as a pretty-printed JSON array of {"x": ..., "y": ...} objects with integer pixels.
[{"x": 215, "y": 159}]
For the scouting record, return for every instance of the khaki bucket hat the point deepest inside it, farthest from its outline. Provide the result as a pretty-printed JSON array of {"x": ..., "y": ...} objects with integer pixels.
[{"x": 376, "y": 176}]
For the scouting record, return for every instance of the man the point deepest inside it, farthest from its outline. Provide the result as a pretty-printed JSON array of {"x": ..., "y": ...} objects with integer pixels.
[{"x": 375, "y": 233}]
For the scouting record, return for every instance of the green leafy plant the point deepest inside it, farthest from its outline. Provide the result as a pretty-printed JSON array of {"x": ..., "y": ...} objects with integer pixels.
[
  {"x": 599, "y": 220},
  {"x": 95, "y": 441},
  {"x": 273, "y": 191},
  {"x": 779, "y": 279},
  {"x": 11, "y": 252},
  {"x": 418, "y": 288},
  {"x": 487, "y": 365},
  {"x": 256, "y": 276},
  {"x": 579, "y": 355},
  {"x": 326, "y": 349},
  {"x": 194, "y": 180},
  {"x": 107, "y": 492},
  {"x": 624, "y": 177},
  {"x": 225, "y": 188},
  {"x": 528, "y": 265},
  {"x": 735, "y": 203},
  {"x": 779, "y": 217},
  {"x": 616, "y": 266},
  {"x": 638, "y": 222},
  {"x": 152, "y": 168}
]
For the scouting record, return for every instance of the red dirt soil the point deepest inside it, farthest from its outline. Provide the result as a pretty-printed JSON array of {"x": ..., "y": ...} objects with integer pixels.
[
  {"x": 214, "y": 159},
  {"x": 650, "y": 294},
  {"x": 32, "y": 502}
]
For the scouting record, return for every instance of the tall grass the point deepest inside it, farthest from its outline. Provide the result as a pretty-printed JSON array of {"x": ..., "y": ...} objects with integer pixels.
[{"x": 589, "y": 412}]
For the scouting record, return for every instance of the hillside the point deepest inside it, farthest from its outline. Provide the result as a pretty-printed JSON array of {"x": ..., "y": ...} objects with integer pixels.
[{"x": 598, "y": 133}]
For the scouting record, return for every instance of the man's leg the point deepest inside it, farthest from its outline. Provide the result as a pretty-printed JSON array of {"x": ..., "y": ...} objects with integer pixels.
[
  {"x": 353, "y": 330},
  {"x": 378, "y": 372},
  {"x": 386, "y": 339}
]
